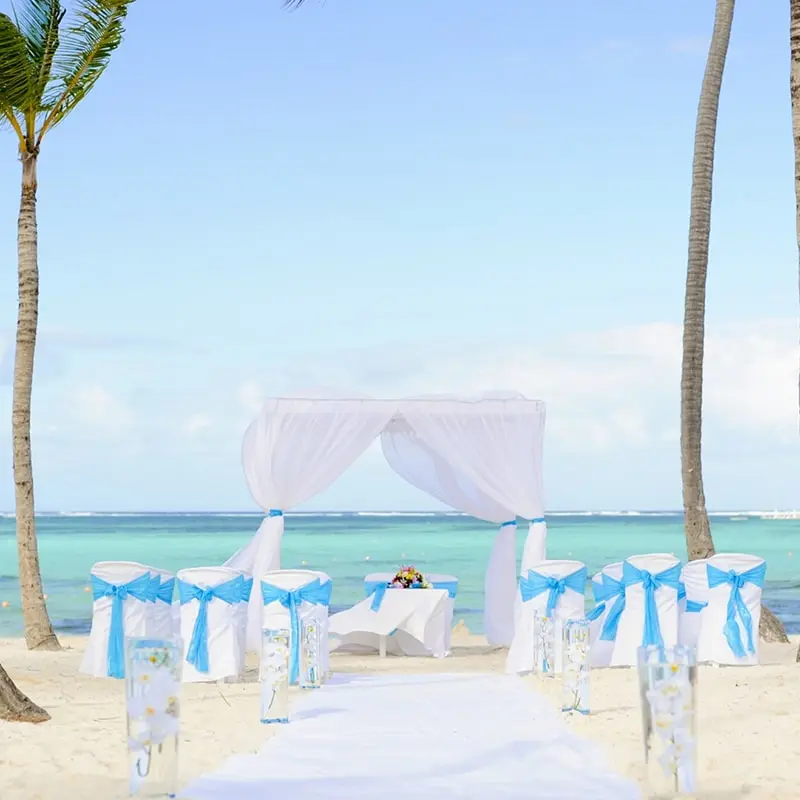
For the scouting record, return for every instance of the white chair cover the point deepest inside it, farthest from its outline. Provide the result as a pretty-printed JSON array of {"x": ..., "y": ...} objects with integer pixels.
[
  {"x": 136, "y": 615},
  {"x": 632, "y": 629},
  {"x": 569, "y": 604},
  {"x": 607, "y": 585},
  {"x": 412, "y": 622},
  {"x": 163, "y": 613},
  {"x": 691, "y": 608},
  {"x": 732, "y": 617},
  {"x": 224, "y": 632},
  {"x": 274, "y": 615}
]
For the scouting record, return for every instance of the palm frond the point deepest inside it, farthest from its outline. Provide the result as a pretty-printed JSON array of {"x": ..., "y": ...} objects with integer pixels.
[
  {"x": 38, "y": 21},
  {"x": 94, "y": 33},
  {"x": 15, "y": 73}
]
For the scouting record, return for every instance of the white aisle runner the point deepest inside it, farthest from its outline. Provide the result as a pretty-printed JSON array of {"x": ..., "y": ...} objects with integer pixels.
[{"x": 422, "y": 736}]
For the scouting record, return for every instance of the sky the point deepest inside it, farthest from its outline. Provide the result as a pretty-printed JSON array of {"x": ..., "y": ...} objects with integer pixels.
[{"x": 409, "y": 197}]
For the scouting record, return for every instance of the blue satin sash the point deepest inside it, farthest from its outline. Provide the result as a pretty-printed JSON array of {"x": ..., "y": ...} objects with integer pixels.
[
  {"x": 313, "y": 593},
  {"x": 667, "y": 578},
  {"x": 736, "y": 605},
  {"x": 140, "y": 588},
  {"x": 229, "y": 592},
  {"x": 615, "y": 590},
  {"x": 536, "y": 584}
]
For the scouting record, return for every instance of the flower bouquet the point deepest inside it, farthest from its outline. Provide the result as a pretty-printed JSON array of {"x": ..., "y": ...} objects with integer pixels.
[{"x": 409, "y": 578}]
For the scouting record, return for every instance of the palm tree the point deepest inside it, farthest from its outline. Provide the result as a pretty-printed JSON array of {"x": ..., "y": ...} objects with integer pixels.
[
  {"x": 47, "y": 66},
  {"x": 699, "y": 542},
  {"x": 794, "y": 90},
  {"x": 14, "y": 706}
]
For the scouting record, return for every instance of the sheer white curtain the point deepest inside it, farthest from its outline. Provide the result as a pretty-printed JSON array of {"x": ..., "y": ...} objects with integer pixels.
[
  {"x": 294, "y": 449},
  {"x": 495, "y": 442},
  {"x": 423, "y": 467}
]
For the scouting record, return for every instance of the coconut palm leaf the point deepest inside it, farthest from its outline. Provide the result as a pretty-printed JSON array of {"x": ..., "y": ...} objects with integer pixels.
[
  {"x": 94, "y": 33},
  {"x": 15, "y": 75},
  {"x": 38, "y": 21}
]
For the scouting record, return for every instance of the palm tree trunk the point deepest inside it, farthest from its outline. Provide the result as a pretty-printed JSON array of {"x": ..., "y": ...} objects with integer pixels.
[
  {"x": 39, "y": 633},
  {"x": 699, "y": 543},
  {"x": 794, "y": 90},
  {"x": 14, "y": 706}
]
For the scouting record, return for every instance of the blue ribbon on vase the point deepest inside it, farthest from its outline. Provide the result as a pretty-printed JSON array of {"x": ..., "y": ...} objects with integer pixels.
[
  {"x": 668, "y": 578},
  {"x": 230, "y": 592},
  {"x": 377, "y": 590},
  {"x": 536, "y": 584},
  {"x": 140, "y": 588},
  {"x": 313, "y": 593},
  {"x": 736, "y": 605}
]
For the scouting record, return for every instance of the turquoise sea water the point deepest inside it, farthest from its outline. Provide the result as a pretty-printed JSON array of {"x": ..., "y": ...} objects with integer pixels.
[{"x": 349, "y": 545}]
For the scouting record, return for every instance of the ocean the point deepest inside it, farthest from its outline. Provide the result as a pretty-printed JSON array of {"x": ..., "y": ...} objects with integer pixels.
[{"x": 348, "y": 545}]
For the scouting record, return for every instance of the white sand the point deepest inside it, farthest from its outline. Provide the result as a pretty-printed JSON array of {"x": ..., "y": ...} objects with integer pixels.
[{"x": 749, "y": 745}]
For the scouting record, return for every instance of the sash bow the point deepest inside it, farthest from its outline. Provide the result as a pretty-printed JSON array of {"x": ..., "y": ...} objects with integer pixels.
[
  {"x": 536, "y": 584},
  {"x": 736, "y": 605}
]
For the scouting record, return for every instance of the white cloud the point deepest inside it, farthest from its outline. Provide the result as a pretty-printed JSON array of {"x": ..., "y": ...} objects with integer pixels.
[
  {"x": 97, "y": 409},
  {"x": 608, "y": 389},
  {"x": 196, "y": 424}
]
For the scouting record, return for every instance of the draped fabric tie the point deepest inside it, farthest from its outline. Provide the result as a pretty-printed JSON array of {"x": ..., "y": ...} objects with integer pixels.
[
  {"x": 716, "y": 577},
  {"x": 140, "y": 588},
  {"x": 615, "y": 590},
  {"x": 668, "y": 578},
  {"x": 166, "y": 590},
  {"x": 230, "y": 592},
  {"x": 509, "y": 523},
  {"x": 313, "y": 593},
  {"x": 537, "y": 519},
  {"x": 694, "y": 606},
  {"x": 275, "y": 512},
  {"x": 536, "y": 583},
  {"x": 596, "y": 612}
]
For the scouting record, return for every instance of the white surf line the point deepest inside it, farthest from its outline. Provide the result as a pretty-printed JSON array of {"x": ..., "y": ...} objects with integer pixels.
[{"x": 420, "y": 736}]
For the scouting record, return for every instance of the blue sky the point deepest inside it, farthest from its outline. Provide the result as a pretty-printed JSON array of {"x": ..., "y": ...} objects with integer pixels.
[{"x": 401, "y": 197}]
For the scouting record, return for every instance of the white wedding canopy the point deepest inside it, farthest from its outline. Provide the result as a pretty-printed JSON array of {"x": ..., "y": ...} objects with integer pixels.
[{"x": 479, "y": 455}]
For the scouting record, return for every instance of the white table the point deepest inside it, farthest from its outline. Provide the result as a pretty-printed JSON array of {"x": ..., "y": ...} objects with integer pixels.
[{"x": 413, "y": 622}]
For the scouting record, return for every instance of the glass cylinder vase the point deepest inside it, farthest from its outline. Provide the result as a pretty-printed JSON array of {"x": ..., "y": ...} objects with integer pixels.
[
  {"x": 274, "y": 675},
  {"x": 667, "y": 687},
  {"x": 310, "y": 653},
  {"x": 152, "y": 694},
  {"x": 544, "y": 645},
  {"x": 575, "y": 672}
]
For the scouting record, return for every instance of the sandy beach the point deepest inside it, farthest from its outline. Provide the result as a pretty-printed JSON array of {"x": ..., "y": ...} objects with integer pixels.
[{"x": 748, "y": 745}]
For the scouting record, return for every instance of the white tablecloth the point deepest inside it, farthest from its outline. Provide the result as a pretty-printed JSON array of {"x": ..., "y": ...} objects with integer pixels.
[{"x": 416, "y": 622}]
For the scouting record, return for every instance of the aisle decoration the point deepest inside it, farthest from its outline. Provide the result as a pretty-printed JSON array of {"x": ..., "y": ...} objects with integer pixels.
[
  {"x": 667, "y": 685},
  {"x": 575, "y": 677},
  {"x": 543, "y": 645},
  {"x": 274, "y": 676},
  {"x": 311, "y": 644},
  {"x": 152, "y": 692}
]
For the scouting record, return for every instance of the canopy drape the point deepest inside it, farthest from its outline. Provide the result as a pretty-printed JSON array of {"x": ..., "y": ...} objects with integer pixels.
[
  {"x": 481, "y": 456},
  {"x": 421, "y": 466},
  {"x": 294, "y": 449}
]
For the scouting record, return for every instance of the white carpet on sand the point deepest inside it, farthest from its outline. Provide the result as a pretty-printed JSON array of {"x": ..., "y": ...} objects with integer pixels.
[{"x": 421, "y": 736}]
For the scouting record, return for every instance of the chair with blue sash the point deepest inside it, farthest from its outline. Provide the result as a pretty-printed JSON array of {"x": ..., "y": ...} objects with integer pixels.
[
  {"x": 123, "y": 602},
  {"x": 648, "y": 611},
  {"x": 729, "y": 633},
  {"x": 556, "y": 589},
  {"x": 290, "y": 596},
  {"x": 694, "y": 582},
  {"x": 608, "y": 591},
  {"x": 163, "y": 625},
  {"x": 211, "y": 600}
]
